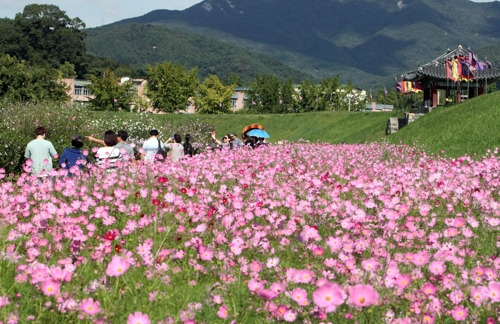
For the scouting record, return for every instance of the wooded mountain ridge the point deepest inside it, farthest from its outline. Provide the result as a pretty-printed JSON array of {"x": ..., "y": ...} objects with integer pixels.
[{"x": 365, "y": 41}]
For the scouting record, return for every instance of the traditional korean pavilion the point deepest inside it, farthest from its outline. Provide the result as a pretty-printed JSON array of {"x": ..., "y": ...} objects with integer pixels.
[{"x": 458, "y": 72}]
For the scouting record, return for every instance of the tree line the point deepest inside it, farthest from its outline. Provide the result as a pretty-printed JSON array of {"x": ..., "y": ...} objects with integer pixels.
[{"x": 42, "y": 44}]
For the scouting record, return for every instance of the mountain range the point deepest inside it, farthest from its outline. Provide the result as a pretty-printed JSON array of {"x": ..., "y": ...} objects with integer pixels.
[{"x": 366, "y": 42}]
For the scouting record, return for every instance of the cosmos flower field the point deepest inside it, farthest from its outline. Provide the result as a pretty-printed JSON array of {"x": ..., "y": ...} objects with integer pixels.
[{"x": 300, "y": 232}]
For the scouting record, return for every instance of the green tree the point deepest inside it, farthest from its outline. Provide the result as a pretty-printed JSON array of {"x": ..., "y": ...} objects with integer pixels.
[
  {"x": 213, "y": 97},
  {"x": 108, "y": 93},
  {"x": 309, "y": 96},
  {"x": 23, "y": 83},
  {"x": 170, "y": 86},
  {"x": 11, "y": 41},
  {"x": 328, "y": 95},
  {"x": 67, "y": 71},
  {"x": 288, "y": 101},
  {"x": 234, "y": 79},
  {"x": 50, "y": 38},
  {"x": 264, "y": 94}
]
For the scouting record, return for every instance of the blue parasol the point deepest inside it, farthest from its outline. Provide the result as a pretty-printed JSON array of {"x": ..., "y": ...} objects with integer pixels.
[{"x": 258, "y": 133}]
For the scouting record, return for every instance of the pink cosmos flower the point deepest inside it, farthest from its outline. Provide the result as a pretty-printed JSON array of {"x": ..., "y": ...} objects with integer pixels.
[
  {"x": 205, "y": 253},
  {"x": 4, "y": 301},
  {"x": 429, "y": 289},
  {"x": 222, "y": 312},
  {"x": 363, "y": 295},
  {"x": 437, "y": 267},
  {"x": 300, "y": 296},
  {"x": 459, "y": 313},
  {"x": 138, "y": 318},
  {"x": 278, "y": 287},
  {"x": 117, "y": 267},
  {"x": 266, "y": 294},
  {"x": 255, "y": 285},
  {"x": 217, "y": 299},
  {"x": 494, "y": 291},
  {"x": 318, "y": 250},
  {"x": 39, "y": 274},
  {"x": 302, "y": 276},
  {"x": 456, "y": 296},
  {"x": 329, "y": 297},
  {"x": 255, "y": 266},
  {"x": 428, "y": 319},
  {"x": 370, "y": 265},
  {"x": 89, "y": 306},
  {"x": 403, "y": 281},
  {"x": 421, "y": 258},
  {"x": 50, "y": 287},
  {"x": 272, "y": 262},
  {"x": 290, "y": 315},
  {"x": 479, "y": 295},
  {"x": 60, "y": 274}
]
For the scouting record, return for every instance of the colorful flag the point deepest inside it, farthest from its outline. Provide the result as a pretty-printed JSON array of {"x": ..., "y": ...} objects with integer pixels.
[
  {"x": 472, "y": 62},
  {"x": 399, "y": 86}
]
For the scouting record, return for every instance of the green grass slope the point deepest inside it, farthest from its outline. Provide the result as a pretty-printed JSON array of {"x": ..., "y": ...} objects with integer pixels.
[
  {"x": 469, "y": 128},
  {"x": 330, "y": 127}
]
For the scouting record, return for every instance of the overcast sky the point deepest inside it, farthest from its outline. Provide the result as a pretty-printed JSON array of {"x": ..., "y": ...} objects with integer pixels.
[{"x": 102, "y": 12}]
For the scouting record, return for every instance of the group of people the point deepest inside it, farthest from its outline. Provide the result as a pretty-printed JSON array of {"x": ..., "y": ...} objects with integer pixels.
[
  {"x": 233, "y": 142},
  {"x": 114, "y": 148},
  {"x": 177, "y": 149},
  {"x": 228, "y": 141}
]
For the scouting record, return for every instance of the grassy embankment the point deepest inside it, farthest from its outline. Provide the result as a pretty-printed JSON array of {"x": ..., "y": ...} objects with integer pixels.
[{"x": 469, "y": 128}]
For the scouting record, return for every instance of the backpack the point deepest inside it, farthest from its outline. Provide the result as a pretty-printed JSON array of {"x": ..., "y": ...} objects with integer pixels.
[{"x": 161, "y": 151}]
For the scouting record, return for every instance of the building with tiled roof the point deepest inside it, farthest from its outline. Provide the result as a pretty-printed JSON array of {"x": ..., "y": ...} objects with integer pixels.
[{"x": 457, "y": 71}]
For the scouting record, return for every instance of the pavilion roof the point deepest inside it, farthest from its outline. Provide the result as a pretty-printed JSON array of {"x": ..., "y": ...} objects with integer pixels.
[{"x": 436, "y": 69}]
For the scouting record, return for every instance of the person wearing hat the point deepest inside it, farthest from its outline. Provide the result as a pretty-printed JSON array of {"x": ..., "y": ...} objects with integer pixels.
[
  {"x": 73, "y": 155},
  {"x": 235, "y": 142}
]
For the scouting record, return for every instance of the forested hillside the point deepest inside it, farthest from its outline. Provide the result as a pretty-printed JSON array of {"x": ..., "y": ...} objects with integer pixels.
[
  {"x": 143, "y": 44},
  {"x": 365, "y": 41}
]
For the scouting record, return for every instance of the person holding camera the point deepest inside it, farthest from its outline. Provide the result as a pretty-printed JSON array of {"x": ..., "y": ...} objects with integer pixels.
[{"x": 176, "y": 148}]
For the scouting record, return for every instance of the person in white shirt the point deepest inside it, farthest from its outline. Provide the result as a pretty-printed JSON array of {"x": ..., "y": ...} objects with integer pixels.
[
  {"x": 108, "y": 155},
  {"x": 150, "y": 147},
  {"x": 125, "y": 149}
]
